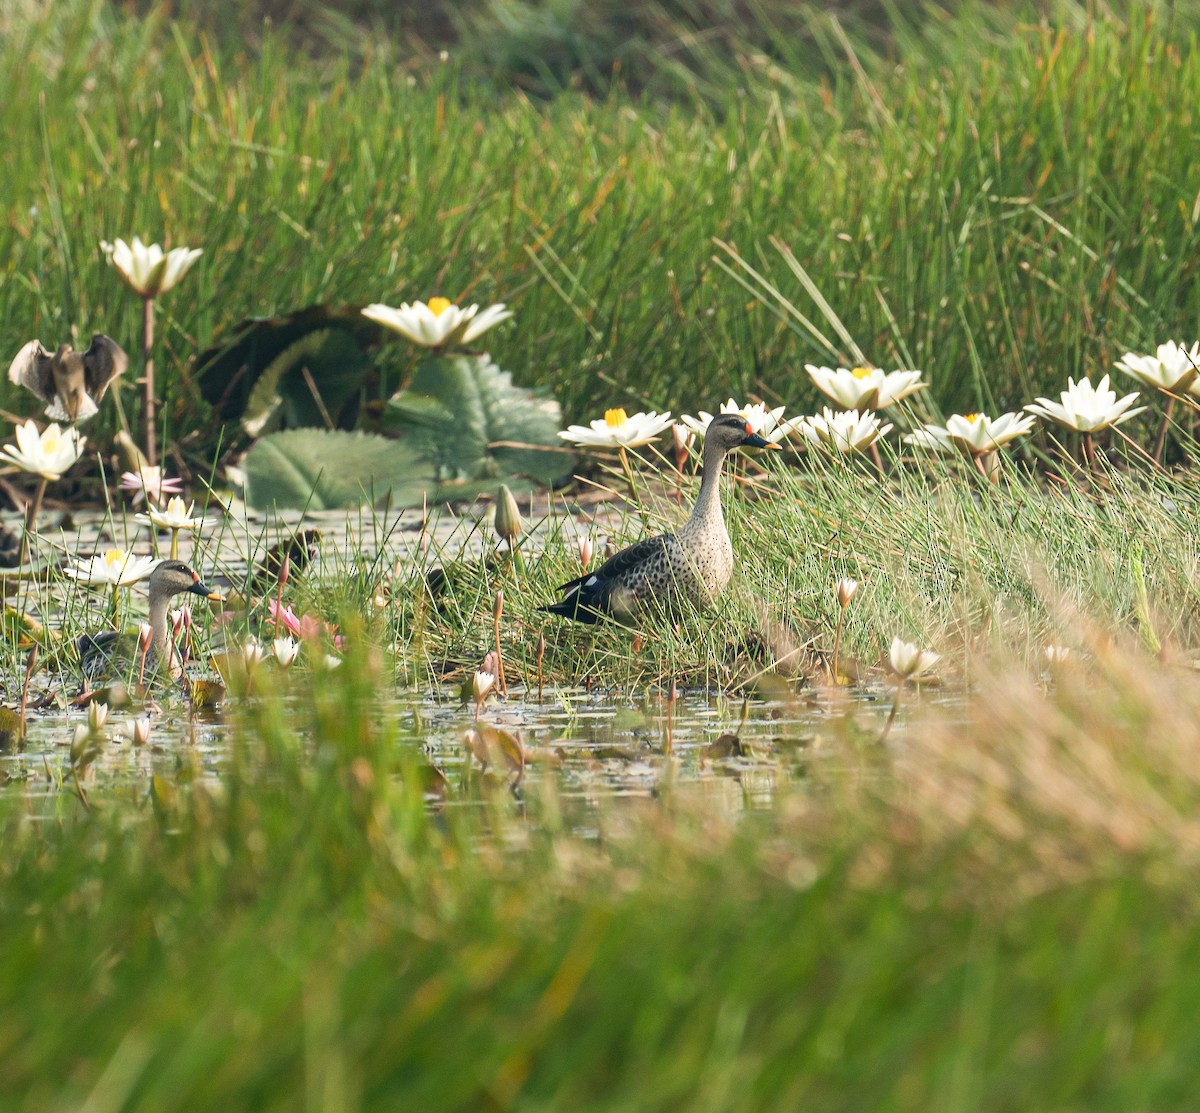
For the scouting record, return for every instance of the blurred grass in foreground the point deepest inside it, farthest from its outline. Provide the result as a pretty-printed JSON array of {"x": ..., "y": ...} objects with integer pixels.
[
  {"x": 994, "y": 914},
  {"x": 1001, "y": 203}
]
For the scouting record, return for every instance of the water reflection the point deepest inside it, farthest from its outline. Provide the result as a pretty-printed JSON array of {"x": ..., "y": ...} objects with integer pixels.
[{"x": 594, "y": 748}]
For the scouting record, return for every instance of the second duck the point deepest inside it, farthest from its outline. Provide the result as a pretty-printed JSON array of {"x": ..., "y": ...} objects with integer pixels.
[{"x": 692, "y": 565}]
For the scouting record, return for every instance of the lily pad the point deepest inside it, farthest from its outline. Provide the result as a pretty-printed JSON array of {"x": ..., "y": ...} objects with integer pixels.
[
  {"x": 465, "y": 414},
  {"x": 309, "y": 383},
  {"x": 324, "y": 469},
  {"x": 228, "y": 371}
]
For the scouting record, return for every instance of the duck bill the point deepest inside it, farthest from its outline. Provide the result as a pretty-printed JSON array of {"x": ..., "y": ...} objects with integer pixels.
[
  {"x": 753, "y": 440},
  {"x": 198, "y": 588}
]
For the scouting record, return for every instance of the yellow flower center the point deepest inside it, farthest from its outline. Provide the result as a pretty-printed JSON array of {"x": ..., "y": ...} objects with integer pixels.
[
  {"x": 50, "y": 441},
  {"x": 862, "y": 372},
  {"x": 614, "y": 419},
  {"x": 970, "y": 419},
  {"x": 114, "y": 558},
  {"x": 438, "y": 306}
]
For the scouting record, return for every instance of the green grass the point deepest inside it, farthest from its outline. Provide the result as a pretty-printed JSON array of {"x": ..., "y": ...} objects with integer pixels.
[
  {"x": 974, "y": 925},
  {"x": 992, "y": 912},
  {"x": 1000, "y": 203}
]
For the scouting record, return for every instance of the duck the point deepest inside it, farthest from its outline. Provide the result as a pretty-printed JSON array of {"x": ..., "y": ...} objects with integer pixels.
[
  {"x": 693, "y": 564},
  {"x": 70, "y": 382},
  {"x": 111, "y": 651}
]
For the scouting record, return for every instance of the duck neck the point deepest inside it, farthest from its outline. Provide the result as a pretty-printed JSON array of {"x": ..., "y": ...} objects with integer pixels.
[
  {"x": 708, "y": 502},
  {"x": 159, "y": 643}
]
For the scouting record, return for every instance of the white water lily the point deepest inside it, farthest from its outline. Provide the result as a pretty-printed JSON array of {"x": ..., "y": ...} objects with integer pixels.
[
  {"x": 908, "y": 661},
  {"x": 1172, "y": 367},
  {"x": 972, "y": 434},
  {"x": 252, "y": 655},
  {"x": 482, "y": 685},
  {"x": 864, "y": 388},
  {"x": 844, "y": 589},
  {"x": 842, "y": 431},
  {"x": 177, "y": 515},
  {"x": 437, "y": 323},
  {"x": 617, "y": 429},
  {"x": 1087, "y": 408},
  {"x": 97, "y": 716},
  {"x": 767, "y": 423},
  {"x": 285, "y": 650},
  {"x": 114, "y": 568},
  {"x": 48, "y": 454},
  {"x": 138, "y": 730},
  {"x": 146, "y": 268}
]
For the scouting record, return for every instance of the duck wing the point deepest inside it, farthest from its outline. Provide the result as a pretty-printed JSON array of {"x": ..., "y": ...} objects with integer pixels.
[
  {"x": 33, "y": 369},
  {"x": 612, "y": 589},
  {"x": 104, "y": 360},
  {"x": 98, "y": 653}
]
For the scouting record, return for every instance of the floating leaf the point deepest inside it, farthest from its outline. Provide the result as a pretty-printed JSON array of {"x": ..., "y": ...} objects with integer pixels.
[
  {"x": 206, "y": 694},
  {"x": 229, "y": 371},
  {"x": 329, "y": 469},
  {"x": 12, "y": 730},
  {"x": 728, "y": 745},
  {"x": 466, "y": 415},
  {"x": 327, "y": 365},
  {"x": 494, "y": 746}
]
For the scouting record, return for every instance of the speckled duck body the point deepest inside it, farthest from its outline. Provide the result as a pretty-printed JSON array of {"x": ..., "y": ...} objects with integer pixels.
[{"x": 691, "y": 566}]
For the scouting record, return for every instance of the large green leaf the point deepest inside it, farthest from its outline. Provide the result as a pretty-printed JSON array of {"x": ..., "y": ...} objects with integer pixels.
[
  {"x": 466, "y": 415},
  {"x": 228, "y": 371},
  {"x": 328, "y": 469},
  {"x": 327, "y": 363}
]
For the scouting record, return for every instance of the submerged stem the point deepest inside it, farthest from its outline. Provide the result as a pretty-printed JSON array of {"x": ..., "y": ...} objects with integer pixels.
[
  {"x": 887, "y": 727},
  {"x": 31, "y": 513},
  {"x": 837, "y": 644}
]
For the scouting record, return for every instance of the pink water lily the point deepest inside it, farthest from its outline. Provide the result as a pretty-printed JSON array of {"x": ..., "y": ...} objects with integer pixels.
[{"x": 306, "y": 626}]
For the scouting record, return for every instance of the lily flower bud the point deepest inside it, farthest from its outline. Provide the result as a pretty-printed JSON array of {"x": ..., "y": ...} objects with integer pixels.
[{"x": 508, "y": 515}]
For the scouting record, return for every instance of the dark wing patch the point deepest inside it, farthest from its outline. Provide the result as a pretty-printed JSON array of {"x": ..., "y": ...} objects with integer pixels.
[
  {"x": 104, "y": 360},
  {"x": 626, "y": 560},
  {"x": 590, "y": 597},
  {"x": 32, "y": 369}
]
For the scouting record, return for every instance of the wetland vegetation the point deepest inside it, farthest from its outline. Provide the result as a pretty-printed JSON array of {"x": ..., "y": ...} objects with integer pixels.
[{"x": 710, "y": 862}]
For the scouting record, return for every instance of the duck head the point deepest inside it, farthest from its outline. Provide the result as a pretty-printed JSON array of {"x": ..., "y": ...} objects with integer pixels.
[
  {"x": 730, "y": 431},
  {"x": 173, "y": 577}
]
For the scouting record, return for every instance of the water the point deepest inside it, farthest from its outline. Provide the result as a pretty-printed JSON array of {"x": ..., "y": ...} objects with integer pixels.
[{"x": 596, "y": 746}]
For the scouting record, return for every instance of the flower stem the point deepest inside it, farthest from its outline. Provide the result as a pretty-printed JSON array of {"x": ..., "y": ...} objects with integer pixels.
[
  {"x": 116, "y": 606},
  {"x": 31, "y": 513},
  {"x": 887, "y": 727},
  {"x": 1088, "y": 452},
  {"x": 148, "y": 358},
  {"x": 1161, "y": 439},
  {"x": 174, "y": 544},
  {"x": 837, "y": 644}
]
